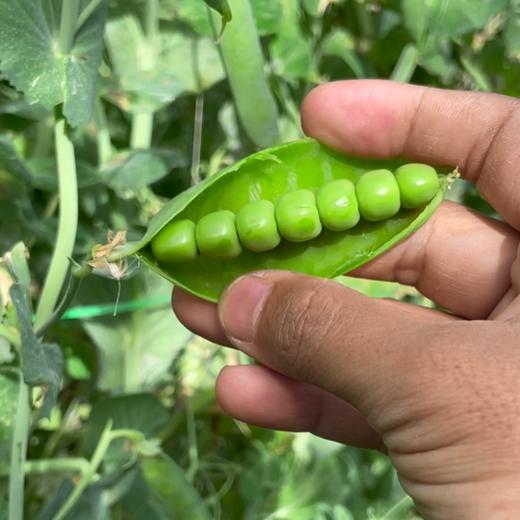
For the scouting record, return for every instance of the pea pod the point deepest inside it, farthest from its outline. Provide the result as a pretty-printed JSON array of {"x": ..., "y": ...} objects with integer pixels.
[{"x": 270, "y": 175}]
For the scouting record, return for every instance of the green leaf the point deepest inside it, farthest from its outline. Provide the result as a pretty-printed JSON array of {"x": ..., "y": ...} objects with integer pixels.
[
  {"x": 438, "y": 19},
  {"x": 182, "y": 64},
  {"x": 42, "y": 363},
  {"x": 195, "y": 14},
  {"x": 139, "y": 412},
  {"x": 222, "y": 7},
  {"x": 268, "y": 16},
  {"x": 17, "y": 264},
  {"x": 133, "y": 170},
  {"x": 512, "y": 33},
  {"x": 170, "y": 491},
  {"x": 291, "y": 51},
  {"x": 12, "y": 162},
  {"x": 32, "y": 62}
]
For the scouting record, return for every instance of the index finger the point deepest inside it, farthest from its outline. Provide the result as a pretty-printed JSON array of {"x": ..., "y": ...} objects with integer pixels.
[{"x": 477, "y": 132}]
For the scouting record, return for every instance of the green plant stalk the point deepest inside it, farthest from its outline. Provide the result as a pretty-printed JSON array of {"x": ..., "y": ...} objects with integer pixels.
[
  {"x": 476, "y": 73},
  {"x": 399, "y": 508},
  {"x": 142, "y": 130},
  {"x": 91, "y": 468},
  {"x": 132, "y": 356},
  {"x": 18, "y": 454},
  {"x": 67, "y": 227},
  {"x": 197, "y": 139},
  {"x": 68, "y": 23},
  {"x": 93, "y": 465},
  {"x": 142, "y": 120},
  {"x": 244, "y": 62},
  {"x": 87, "y": 12},
  {"x": 406, "y": 64},
  {"x": 55, "y": 276},
  {"x": 104, "y": 145},
  {"x": 193, "y": 450},
  {"x": 364, "y": 19}
]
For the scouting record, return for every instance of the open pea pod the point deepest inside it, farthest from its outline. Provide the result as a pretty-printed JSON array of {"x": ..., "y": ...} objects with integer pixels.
[{"x": 268, "y": 175}]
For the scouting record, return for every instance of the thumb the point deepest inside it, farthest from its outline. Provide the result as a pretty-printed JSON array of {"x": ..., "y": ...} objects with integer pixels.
[{"x": 320, "y": 332}]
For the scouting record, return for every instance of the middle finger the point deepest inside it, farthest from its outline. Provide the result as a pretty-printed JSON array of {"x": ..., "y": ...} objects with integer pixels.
[{"x": 460, "y": 259}]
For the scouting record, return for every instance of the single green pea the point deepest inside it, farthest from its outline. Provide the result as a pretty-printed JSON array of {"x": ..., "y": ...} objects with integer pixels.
[
  {"x": 337, "y": 205},
  {"x": 175, "y": 242},
  {"x": 256, "y": 226},
  {"x": 418, "y": 184},
  {"x": 297, "y": 216},
  {"x": 378, "y": 195},
  {"x": 216, "y": 235}
]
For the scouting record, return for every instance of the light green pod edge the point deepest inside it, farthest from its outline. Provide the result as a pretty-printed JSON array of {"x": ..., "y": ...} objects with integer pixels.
[{"x": 267, "y": 175}]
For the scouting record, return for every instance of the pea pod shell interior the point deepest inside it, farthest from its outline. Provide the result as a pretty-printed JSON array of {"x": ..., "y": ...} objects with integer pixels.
[{"x": 303, "y": 164}]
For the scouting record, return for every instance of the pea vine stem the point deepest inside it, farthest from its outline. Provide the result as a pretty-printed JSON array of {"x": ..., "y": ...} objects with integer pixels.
[
  {"x": 66, "y": 237},
  {"x": 89, "y": 469},
  {"x": 197, "y": 139},
  {"x": 142, "y": 118},
  {"x": 68, "y": 23},
  {"x": 87, "y": 12},
  {"x": 104, "y": 144},
  {"x": 406, "y": 64},
  {"x": 67, "y": 226}
]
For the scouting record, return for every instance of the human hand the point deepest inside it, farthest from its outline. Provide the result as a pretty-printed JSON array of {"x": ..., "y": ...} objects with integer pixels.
[{"x": 440, "y": 392}]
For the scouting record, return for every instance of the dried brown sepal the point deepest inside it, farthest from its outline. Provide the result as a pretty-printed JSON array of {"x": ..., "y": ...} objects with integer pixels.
[{"x": 101, "y": 253}]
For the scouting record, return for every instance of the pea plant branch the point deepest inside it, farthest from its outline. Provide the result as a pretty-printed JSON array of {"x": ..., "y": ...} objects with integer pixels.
[
  {"x": 67, "y": 226},
  {"x": 142, "y": 118},
  {"x": 89, "y": 469}
]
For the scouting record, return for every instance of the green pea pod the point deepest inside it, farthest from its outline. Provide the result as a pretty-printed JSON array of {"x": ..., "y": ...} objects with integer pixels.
[{"x": 267, "y": 175}]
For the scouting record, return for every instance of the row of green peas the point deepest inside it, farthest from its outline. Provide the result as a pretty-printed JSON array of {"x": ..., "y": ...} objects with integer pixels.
[{"x": 297, "y": 216}]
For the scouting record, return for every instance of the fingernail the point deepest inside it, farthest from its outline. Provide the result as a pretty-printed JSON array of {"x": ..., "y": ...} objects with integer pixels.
[{"x": 241, "y": 305}]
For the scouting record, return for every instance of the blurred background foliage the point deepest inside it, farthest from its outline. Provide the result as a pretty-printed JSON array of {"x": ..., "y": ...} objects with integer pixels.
[{"x": 166, "y": 116}]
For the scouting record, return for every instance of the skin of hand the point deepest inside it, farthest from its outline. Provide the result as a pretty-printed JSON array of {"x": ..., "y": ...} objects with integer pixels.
[{"x": 438, "y": 391}]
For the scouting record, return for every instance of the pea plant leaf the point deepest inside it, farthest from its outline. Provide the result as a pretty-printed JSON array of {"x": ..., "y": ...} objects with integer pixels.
[
  {"x": 140, "y": 412},
  {"x": 170, "y": 491},
  {"x": 291, "y": 50},
  {"x": 442, "y": 19},
  {"x": 136, "y": 169},
  {"x": 182, "y": 64},
  {"x": 32, "y": 62},
  {"x": 512, "y": 32},
  {"x": 42, "y": 363},
  {"x": 12, "y": 162}
]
